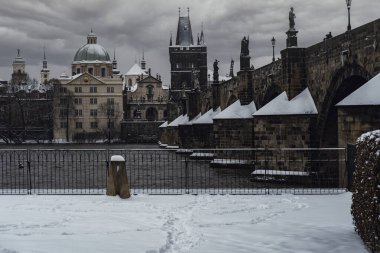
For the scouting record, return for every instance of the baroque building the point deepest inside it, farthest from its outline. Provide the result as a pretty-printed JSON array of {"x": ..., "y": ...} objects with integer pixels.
[{"x": 89, "y": 104}]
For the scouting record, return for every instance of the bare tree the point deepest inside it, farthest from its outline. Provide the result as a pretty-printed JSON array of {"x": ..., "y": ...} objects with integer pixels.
[{"x": 113, "y": 113}]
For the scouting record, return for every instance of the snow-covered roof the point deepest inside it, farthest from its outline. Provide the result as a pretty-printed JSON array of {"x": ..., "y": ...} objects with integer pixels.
[
  {"x": 207, "y": 118},
  {"x": 237, "y": 111},
  {"x": 136, "y": 70},
  {"x": 163, "y": 125},
  {"x": 190, "y": 122},
  {"x": 303, "y": 103},
  {"x": 368, "y": 94},
  {"x": 179, "y": 120}
]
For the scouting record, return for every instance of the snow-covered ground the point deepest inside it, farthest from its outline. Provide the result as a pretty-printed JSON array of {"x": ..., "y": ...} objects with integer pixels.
[{"x": 185, "y": 223}]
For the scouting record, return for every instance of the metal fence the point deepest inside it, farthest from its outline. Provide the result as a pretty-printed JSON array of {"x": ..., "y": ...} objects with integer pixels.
[{"x": 162, "y": 171}]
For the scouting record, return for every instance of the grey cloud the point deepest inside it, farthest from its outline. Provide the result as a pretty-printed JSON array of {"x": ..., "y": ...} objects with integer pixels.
[{"x": 135, "y": 25}]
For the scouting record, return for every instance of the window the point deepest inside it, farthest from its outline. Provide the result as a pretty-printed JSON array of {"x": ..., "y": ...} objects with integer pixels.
[
  {"x": 78, "y": 101},
  {"x": 94, "y": 124},
  {"x": 78, "y": 113},
  {"x": 103, "y": 72},
  {"x": 93, "y": 89},
  {"x": 93, "y": 112},
  {"x": 78, "y": 89},
  {"x": 78, "y": 70},
  {"x": 93, "y": 101},
  {"x": 110, "y": 101},
  {"x": 91, "y": 71},
  {"x": 63, "y": 112},
  {"x": 64, "y": 124},
  {"x": 63, "y": 101},
  {"x": 110, "y": 112},
  {"x": 110, "y": 89},
  {"x": 129, "y": 82},
  {"x": 78, "y": 125},
  {"x": 149, "y": 93},
  {"x": 63, "y": 90}
]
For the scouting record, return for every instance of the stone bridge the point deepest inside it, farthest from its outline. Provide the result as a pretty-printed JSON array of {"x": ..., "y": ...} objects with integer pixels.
[{"x": 331, "y": 69}]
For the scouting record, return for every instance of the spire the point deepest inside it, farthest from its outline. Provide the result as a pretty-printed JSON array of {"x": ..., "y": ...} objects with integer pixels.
[
  {"x": 171, "y": 41},
  {"x": 202, "y": 39},
  {"x": 198, "y": 42},
  {"x": 232, "y": 68},
  {"x": 188, "y": 12},
  {"x": 143, "y": 61},
  {"x": 179, "y": 11},
  {"x": 114, "y": 62},
  {"x": 18, "y": 52},
  {"x": 44, "y": 62},
  {"x": 184, "y": 32}
]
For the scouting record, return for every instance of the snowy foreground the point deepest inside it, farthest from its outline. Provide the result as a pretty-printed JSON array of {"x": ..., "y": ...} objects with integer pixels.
[{"x": 186, "y": 223}]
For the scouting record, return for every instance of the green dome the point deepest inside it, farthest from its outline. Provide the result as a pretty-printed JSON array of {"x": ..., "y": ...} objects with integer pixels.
[{"x": 92, "y": 52}]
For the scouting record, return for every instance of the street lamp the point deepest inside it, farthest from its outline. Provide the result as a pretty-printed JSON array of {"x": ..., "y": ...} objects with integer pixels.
[
  {"x": 273, "y": 44},
  {"x": 348, "y": 2}
]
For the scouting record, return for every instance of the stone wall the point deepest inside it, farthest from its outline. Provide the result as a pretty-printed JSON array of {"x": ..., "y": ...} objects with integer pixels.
[
  {"x": 140, "y": 131},
  {"x": 203, "y": 136},
  {"x": 233, "y": 133},
  {"x": 353, "y": 121},
  {"x": 283, "y": 131}
]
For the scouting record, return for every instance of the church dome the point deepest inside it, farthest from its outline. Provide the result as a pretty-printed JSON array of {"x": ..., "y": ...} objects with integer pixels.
[{"x": 92, "y": 51}]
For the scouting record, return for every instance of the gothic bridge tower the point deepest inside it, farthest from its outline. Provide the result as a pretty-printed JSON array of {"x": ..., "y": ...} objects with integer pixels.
[{"x": 188, "y": 63}]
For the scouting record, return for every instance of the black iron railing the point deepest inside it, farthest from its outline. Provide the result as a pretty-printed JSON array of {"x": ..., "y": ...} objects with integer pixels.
[{"x": 162, "y": 171}]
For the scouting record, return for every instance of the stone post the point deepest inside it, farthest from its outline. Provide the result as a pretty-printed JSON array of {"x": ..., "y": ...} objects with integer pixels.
[{"x": 117, "y": 180}]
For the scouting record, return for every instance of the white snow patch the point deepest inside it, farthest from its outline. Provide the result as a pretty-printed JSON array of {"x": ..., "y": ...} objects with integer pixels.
[
  {"x": 185, "y": 223},
  {"x": 368, "y": 94},
  {"x": 136, "y": 70},
  {"x": 190, "y": 122},
  {"x": 280, "y": 173},
  {"x": 303, "y": 103},
  {"x": 237, "y": 111},
  {"x": 180, "y": 120},
  {"x": 163, "y": 125},
  {"x": 117, "y": 158},
  {"x": 208, "y": 117}
]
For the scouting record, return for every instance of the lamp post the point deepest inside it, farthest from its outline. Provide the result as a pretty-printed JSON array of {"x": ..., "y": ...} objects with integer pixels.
[
  {"x": 348, "y": 2},
  {"x": 273, "y": 44}
]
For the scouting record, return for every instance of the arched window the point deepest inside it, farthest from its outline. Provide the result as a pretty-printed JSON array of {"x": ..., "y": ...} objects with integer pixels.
[
  {"x": 129, "y": 82},
  {"x": 151, "y": 114}
]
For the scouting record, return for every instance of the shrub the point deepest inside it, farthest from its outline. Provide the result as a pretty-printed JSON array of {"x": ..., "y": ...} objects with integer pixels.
[{"x": 365, "y": 207}]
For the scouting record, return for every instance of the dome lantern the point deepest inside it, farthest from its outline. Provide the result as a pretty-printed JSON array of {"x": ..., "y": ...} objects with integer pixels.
[{"x": 91, "y": 38}]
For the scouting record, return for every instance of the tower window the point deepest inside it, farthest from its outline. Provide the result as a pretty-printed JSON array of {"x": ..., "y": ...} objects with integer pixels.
[
  {"x": 91, "y": 71},
  {"x": 103, "y": 72},
  {"x": 78, "y": 70}
]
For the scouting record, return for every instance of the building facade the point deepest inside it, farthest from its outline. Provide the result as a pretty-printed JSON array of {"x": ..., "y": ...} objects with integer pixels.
[{"x": 89, "y": 104}]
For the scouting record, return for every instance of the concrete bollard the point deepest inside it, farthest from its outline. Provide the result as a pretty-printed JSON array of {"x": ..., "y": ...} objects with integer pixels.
[{"x": 117, "y": 179}]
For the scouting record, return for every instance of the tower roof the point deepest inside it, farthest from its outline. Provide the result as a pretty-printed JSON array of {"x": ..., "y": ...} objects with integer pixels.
[
  {"x": 18, "y": 59},
  {"x": 184, "y": 32}
]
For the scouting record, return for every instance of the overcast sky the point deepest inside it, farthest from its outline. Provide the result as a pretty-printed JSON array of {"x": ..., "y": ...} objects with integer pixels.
[{"x": 131, "y": 26}]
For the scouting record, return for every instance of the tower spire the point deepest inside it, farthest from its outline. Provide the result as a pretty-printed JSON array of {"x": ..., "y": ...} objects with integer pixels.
[
  {"x": 143, "y": 61},
  {"x": 188, "y": 12},
  {"x": 202, "y": 39},
  {"x": 171, "y": 39},
  {"x": 179, "y": 11},
  {"x": 44, "y": 71}
]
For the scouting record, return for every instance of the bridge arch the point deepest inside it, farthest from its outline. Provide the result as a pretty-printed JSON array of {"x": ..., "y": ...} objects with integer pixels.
[{"x": 343, "y": 82}]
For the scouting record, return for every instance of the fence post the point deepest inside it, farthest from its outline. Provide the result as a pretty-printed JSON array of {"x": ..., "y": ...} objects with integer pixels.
[
  {"x": 117, "y": 180},
  {"x": 28, "y": 173},
  {"x": 350, "y": 164},
  {"x": 187, "y": 176}
]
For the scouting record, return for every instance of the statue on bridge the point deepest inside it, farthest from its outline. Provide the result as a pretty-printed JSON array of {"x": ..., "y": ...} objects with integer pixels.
[
  {"x": 292, "y": 16},
  {"x": 245, "y": 46},
  {"x": 216, "y": 71}
]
